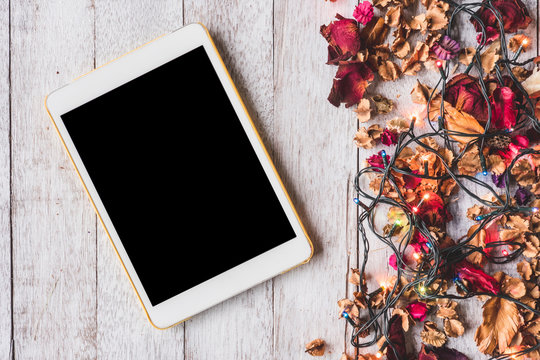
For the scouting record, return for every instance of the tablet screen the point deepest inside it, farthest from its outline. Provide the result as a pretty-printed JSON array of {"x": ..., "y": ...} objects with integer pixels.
[{"x": 178, "y": 176}]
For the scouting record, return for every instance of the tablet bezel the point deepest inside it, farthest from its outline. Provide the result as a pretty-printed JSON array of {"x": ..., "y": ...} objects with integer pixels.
[{"x": 225, "y": 285}]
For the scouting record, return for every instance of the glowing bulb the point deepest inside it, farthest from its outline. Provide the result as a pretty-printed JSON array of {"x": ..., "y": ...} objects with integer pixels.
[
  {"x": 344, "y": 314},
  {"x": 422, "y": 289},
  {"x": 416, "y": 256},
  {"x": 426, "y": 196},
  {"x": 484, "y": 173},
  {"x": 534, "y": 210},
  {"x": 525, "y": 42},
  {"x": 478, "y": 218},
  {"x": 397, "y": 222},
  {"x": 378, "y": 355},
  {"x": 438, "y": 63},
  {"x": 356, "y": 201},
  {"x": 505, "y": 252},
  {"x": 429, "y": 245},
  {"x": 415, "y": 209},
  {"x": 413, "y": 117}
]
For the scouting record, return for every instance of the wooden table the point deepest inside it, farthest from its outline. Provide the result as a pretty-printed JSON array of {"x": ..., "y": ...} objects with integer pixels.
[{"x": 63, "y": 293}]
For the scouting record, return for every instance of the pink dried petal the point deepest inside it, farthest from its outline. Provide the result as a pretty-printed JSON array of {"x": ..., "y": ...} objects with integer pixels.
[
  {"x": 503, "y": 108},
  {"x": 417, "y": 310},
  {"x": 446, "y": 49},
  {"x": 389, "y": 137},
  {"x": 343, "y": 38},
  {"x": 491, "y": 34},
  {"x": 363, "y": 13}
]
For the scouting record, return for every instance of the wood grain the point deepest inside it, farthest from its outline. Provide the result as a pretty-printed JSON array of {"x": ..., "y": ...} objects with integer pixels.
[
  {"x": 240, "y": 328},
  {"x": 315, "y": 156},
  {"x": 54, "y": 252},
  {"x": 123, "y": 331},
  {"x": 5, "y": 186}
]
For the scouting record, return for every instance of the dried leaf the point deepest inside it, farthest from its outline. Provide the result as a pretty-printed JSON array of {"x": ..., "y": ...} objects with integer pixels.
[
  {"x": 316, "y": 347},
  {"x": 393, "y": 16},
  {"x": 400, "y": 47},
  {"x": 420, "y": 93},
  {"x": 453, "y": 327},
  {"x": 466, "y": 55},
  {"x": 532, "y": 84},
  {"x": 431, "y": 335},
  {"x": 461, "y": 122},
  {"x": 523, "y": 173},
  {"x": 363, "y": 110},
  {"x": 398, "y": 125},
  {"x": 495, "y": 164},
  {"x": 478, "y": 240},
  {"x": 501, "y": 321},
  {"x": 520, "y": 73},
  {"x": 413, "y": 64},
  {"x": 374, "y": 33},
  {"x": 382, "y": 104},
  {"x": 519, "y": 40},
  {"x": 389, "y": 70},
  {"x": 490, "y": 56}
]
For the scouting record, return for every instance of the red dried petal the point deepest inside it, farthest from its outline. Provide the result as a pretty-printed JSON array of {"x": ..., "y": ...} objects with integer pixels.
[
  {"x": 343, "y": 38},
  {"x": 411, "y": 182},
  {"x": 514, "y": 15},
  {"x": 491, "y": 34},
  {"x": 389, "y": 137},
  {"x": 350, "y": 83},
  {"x": 478, "y": 279},
  {"x": 464, "y": 93},
  {"x": 417, "y": 310},
  {"x": 503, "y": 108}
]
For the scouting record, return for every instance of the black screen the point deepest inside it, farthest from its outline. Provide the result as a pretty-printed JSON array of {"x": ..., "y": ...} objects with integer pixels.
[{"x": 177, "y": 175}]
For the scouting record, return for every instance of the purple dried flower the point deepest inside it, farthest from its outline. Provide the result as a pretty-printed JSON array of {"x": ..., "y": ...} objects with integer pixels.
[
  {"x": 522, "y": 196},
  {"x": 446, "y": 49},
  {"x": 499, "y": 180}
]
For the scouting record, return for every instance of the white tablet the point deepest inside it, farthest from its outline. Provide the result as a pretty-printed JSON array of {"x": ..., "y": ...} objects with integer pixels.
[{"x": 178, "y": 176}]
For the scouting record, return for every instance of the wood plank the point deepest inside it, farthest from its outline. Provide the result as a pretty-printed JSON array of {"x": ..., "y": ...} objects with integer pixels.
[
  {"x": 54, "y": 294},
  {"x": 243, "y": 35},
  {"x": 317, "y": 160},
  {"x": 5, "y": 187},
  {"x": 123, "y": 329}
]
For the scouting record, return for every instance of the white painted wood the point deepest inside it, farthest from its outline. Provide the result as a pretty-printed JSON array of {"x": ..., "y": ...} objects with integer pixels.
[
  {"x": 54, "y": 248},
  {"x": 123, "y": 331},
  {"x": 5, "y": 188},
  {"x": 314, "y": 153},
  {"x": 242, "y": 327},
  {"x": 71, "y": 297}
]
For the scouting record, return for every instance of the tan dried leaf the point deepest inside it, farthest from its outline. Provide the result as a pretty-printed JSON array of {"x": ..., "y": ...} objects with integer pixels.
[
  {"x": 478, "y": 240},
  {"x": 461, "y": 122},
  {"x": 398, "y": 125},
  {"x": 393, "y": 16},
  {"x": 436, "y": 16},
  {"x": 524, "y": 269},
  {"x": 316, "y": 347},
  {"x": 421, "y": 93},
  {"x": 532, "y": 84},
  {"x": 389, "y": 71},
  {"x": 400, "y": 47},
  {"x": 490, "y": 56},
  {"x": 523, "y": 173},
  {"x": 520, "y": 73},
  {"x": 469, "y": 164},
  {"x": 495, "y": 164},
  {"x": 447, "y": 309},
  {"x": 374, "y": 33},
  {"x": 363, "y": 110},
  {"x": 466, "y": 55},
  {"x": 406, "y": 320},
  {"x": 501, "y": 321},
  {"x": 514, "y": 287},
  {"x": 453, "y": 327},
  {"x": 419, "y": 22},
  {"x": 432, "y": 336},
  {"x": 362, "y": 139},
  {"x": 382, "y": 104},
  {"x": 413, "y": 64},
  {"x": 519, "y": 40}
]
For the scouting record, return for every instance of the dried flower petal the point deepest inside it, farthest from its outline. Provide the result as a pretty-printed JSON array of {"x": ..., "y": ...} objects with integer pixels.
[
  {"x": 432, "y": 336},
  {"x": 446, "y": 48},
  {"x": 363, "y": 110},
  {"x": 532, "y": 84},
  {"x": 350, "y": 83},
  {"x": 316, "y": 347},
  {"x": 453, "y": 327},
  {"x": 519, "y": 40},
  {"x": 466, "y": 55},
  {"x": 514, "y": 15},
  {"x": 389, "y": 71},
  {"x": 382, "y": 104},
  {"x": 389, "y": 137},
  {"x": 522, "y": 196},
  {"x": 393, "y": 16},
  {"x": 343, "y": 38},
  {"x": 417, "y": 310},
  {"x": 363, "y": 13},
  {"x": 503, "y": 108}
]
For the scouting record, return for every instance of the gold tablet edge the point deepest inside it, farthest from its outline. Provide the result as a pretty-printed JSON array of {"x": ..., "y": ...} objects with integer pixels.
[{"x": 256, "y": 133}]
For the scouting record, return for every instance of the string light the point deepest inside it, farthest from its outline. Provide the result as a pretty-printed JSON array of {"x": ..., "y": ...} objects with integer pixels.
[{"x": 425, "y": 273}]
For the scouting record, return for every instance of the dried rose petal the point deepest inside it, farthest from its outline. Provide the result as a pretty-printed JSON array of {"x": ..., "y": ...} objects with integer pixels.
[
  {"x": 522, "y": 196},
  {"x": 389, "y": 137},
  {"x": 491, "y": 35},
  {"x": 513, "y": 12},
  {"x": 464, "y": 93},
  {"x": 503, "y": 108},
  {"x": 446, "y": 49},
  {"x": 397, "y": 337},
  {"x": 363, "y": 13},
  {"x": 417, "y": 310},
  {"x": 343, "y": 38},
  {"x": 376, "y": 160},
  {"x": 499, "y": 180},
  {"x": 479, "y": 280},
  {"x": 442, "y": 353},
  {"x": 350, "y": 83},
  {"x": 411, "y": 182}
]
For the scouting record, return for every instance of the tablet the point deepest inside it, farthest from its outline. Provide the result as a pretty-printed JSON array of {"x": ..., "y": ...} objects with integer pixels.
[{"x": 178, "y": 176}]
